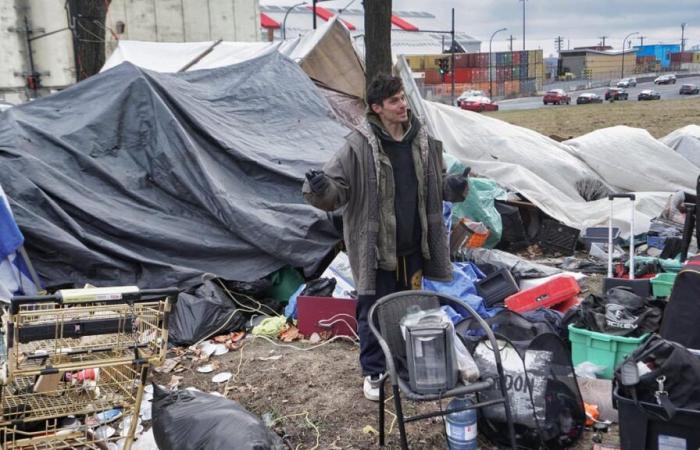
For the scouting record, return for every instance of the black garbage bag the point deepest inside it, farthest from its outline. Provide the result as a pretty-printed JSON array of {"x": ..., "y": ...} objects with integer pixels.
[
  {"x": 205, "y": 312},
  {"x": 186, "y": 420},
  {"x": 320, "y": 287},
  {"x": 620, "y": 312}
]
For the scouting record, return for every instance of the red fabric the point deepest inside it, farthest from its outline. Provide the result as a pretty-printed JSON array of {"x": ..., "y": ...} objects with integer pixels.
[
  {"x": 399, "y": 22},
  {"x": 267, "y": 22},
  {"x": 324, "y": 14}
]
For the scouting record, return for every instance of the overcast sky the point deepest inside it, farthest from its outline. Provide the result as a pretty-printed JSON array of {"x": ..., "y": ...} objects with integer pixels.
[{"x": 579, "y": 22}]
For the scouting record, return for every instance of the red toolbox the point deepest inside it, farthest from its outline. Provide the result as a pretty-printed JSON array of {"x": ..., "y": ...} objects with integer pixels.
[
  {"x": 318, "y": 314},
  {"x": 552, "y": 292}
]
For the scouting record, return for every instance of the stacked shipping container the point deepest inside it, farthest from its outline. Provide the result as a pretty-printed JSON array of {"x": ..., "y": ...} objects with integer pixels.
[{"x": 512, "y": 73}]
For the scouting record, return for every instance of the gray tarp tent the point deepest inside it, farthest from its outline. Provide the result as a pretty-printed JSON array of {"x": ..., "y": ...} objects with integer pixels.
[{"x": 137, "y": 177}]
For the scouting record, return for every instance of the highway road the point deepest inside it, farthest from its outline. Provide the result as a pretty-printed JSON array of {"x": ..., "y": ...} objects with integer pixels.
[{"x": 667, "y": 91}]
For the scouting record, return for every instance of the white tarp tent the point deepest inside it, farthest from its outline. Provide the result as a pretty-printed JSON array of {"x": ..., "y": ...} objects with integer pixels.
[
  {"x": 326, "y": 55},
  {"x": 686, "y": 141},
  {"x": 630, "y": 159},
  {"x": 542, "y": 170}
]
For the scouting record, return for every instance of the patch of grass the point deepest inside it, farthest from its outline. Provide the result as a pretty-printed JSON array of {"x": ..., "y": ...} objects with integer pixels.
[{"x": 657, "y": 117}]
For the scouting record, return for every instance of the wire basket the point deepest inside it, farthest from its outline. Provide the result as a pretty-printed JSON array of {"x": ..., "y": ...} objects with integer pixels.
[
  {"x": 61, "y": 336},
  {"x": 51, "y": 436}
]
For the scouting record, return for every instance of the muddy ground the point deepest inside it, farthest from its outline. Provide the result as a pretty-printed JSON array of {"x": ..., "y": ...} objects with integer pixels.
[{"x": 313, "y": 393}]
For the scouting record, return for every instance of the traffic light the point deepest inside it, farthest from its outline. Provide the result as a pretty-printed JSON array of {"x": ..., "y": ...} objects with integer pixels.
[{"x": 444, "y": 65}]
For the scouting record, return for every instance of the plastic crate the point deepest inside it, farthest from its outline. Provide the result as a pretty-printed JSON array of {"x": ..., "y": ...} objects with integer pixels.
[
  {"x": 599, "y": 234},
  {"x": 639, "y": 431},
  {"x": 662, "y": 284},
  {"x": 601, "y": 349},
  {"x": 550, "y": 293},
  {"x": 558, "y": 238}
]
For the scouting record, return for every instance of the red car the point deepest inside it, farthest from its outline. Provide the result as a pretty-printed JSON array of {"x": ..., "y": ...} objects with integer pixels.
[
  {"x": 556, "y": 97},
  {"x": 478, "y": 104}
]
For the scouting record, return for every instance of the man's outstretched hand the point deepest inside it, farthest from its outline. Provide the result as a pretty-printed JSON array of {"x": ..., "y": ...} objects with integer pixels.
[{"x": 317, "y": 181}]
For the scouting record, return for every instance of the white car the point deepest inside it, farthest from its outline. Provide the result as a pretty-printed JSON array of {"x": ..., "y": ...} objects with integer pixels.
[
  {"x": 469, "y": 95},
  {"x": 627, "y": 82}
]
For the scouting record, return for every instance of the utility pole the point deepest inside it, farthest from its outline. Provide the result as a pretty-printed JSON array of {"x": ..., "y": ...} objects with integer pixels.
[
  {"x": 603, "y": 38},
  {"x": 452, "y": 62},
  {"x": 641, "y": 40},
  {"x": 377, "y": 38},
  {"x": 510, "y": 44},
  {"x": 682, "y": 37},
  {"x": 523, "y": 24},
  {"x": 558, "y": 42}
]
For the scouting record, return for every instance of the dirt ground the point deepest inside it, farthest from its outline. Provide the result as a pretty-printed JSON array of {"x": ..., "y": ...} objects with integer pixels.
[
  {"x": 313, "y": 393},
  {"x": 659, "y": 118}
]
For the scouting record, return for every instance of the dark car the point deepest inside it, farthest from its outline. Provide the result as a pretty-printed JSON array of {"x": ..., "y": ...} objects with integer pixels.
[
  {"x": 627, "y": 82},
  {"x": 588, "y": 97},
  {"x": 556, "y": 97},
  {"x": 689, "y": 89},
  {"x": 665, "y": 79},
  {"x": 616, "y": 94},
  {"x": 648, "y": 94}
]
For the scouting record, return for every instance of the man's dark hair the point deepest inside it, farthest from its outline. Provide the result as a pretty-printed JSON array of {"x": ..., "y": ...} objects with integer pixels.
[{"x": 382, "y": 87}]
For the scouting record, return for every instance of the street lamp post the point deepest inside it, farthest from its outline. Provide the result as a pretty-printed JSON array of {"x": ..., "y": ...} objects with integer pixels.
[
  {"x": 284, "y": 21},
  {"x": 622, "y": 72},
  {"x": 489, "y": 66}
]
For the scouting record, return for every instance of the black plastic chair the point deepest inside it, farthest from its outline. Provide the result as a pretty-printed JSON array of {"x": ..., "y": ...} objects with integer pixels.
[{"x": 384, "y": 321}]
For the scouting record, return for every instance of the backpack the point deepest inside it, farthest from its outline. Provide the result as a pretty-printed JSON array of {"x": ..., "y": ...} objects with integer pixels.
[
  {"x": 682, "y": 313},
  {"x": 545, "y": 401}
]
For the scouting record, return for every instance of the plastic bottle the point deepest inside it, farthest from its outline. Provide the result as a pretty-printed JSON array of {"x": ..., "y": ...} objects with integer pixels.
[{"x": 461, "y": 426}]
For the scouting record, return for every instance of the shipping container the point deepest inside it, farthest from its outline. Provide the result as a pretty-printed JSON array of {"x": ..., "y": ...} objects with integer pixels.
[
  {"x": 461, "y": 61},
  {"x": 416, "y": 63},
  {"x": 432, "y": 76},
  {"x": 696, "y": 57},
  {"x": 516, "y": 58}
]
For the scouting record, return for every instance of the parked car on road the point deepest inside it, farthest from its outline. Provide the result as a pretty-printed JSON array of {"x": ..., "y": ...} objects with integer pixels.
[
  {"x": 588, "y": 97},
  {"x": 665, "y": 79},
  {"x": 627, "y": 82},
  {"x": 649, "y": 94},
  {"x": 616, "y": 94},
  {"x": 469, "y": 94},
  {"x": 556, "y": 97},
  {"x": 478, "y": 104},
  {"x": 689, "y": 89}
]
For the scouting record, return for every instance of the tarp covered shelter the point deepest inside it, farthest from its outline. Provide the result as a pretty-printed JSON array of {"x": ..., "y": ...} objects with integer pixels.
[{"x": 138, "y": 177}]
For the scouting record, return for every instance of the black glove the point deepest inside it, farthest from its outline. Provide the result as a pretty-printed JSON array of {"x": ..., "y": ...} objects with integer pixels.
[{"x": 317, "y": 181}]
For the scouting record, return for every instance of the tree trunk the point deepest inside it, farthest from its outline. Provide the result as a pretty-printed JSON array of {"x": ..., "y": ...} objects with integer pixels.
[
  {"x": 88, "y": 21},
  {"x": 377, "y": 38}
]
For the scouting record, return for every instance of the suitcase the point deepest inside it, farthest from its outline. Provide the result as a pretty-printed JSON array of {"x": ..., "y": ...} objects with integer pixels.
[
  {"x": 550, "y": 293},
  {"x": 641, "y": 287}
]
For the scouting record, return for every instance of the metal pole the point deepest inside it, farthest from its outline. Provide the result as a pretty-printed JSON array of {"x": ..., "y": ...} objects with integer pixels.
[
  {"x": 284, "y": 21},
  {"x": 622, "y": 71},
  {"x": 682, "y": 37},
  {"x": 313, "y": 11},
  {"x": 489, "y": 65},
  {"x": 452, "y": 62},
  {"x": 523, "y": 24}
]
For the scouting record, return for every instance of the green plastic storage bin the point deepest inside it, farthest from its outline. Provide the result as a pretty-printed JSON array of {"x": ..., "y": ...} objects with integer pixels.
[
  {"x": 601, "y": 349},
  {"x": 662, "y": 284}
]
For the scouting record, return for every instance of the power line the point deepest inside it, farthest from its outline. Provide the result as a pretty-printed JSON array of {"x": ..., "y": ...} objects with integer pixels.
[
  {"x": 510, "y": 45},
  {"x": 603, "y": 39}
]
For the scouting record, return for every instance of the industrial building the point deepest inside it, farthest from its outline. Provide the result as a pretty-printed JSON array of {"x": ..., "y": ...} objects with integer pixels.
[
  {"x": 660, "y": 53},
  {"x": 285, "y": 22},
  {"x": 598, "y": 65},
  {"x": 39, "y": 38}
]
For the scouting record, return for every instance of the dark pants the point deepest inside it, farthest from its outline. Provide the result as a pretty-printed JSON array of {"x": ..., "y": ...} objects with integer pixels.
[{"x": 407, "y": 276}]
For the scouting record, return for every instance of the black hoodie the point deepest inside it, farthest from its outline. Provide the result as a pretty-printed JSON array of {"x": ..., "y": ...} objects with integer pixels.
[{"x": 408, "y": 229}]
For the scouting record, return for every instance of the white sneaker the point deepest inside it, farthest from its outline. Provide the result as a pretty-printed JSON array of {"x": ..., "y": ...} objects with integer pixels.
[{"x": 371, "y": 388}]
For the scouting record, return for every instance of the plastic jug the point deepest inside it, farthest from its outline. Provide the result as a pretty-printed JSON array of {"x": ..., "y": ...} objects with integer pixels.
[{"x": 461, "y": 426}]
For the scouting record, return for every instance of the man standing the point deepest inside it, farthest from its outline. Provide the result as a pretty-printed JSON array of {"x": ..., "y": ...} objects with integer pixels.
[{"x": 389, "y": 178}]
